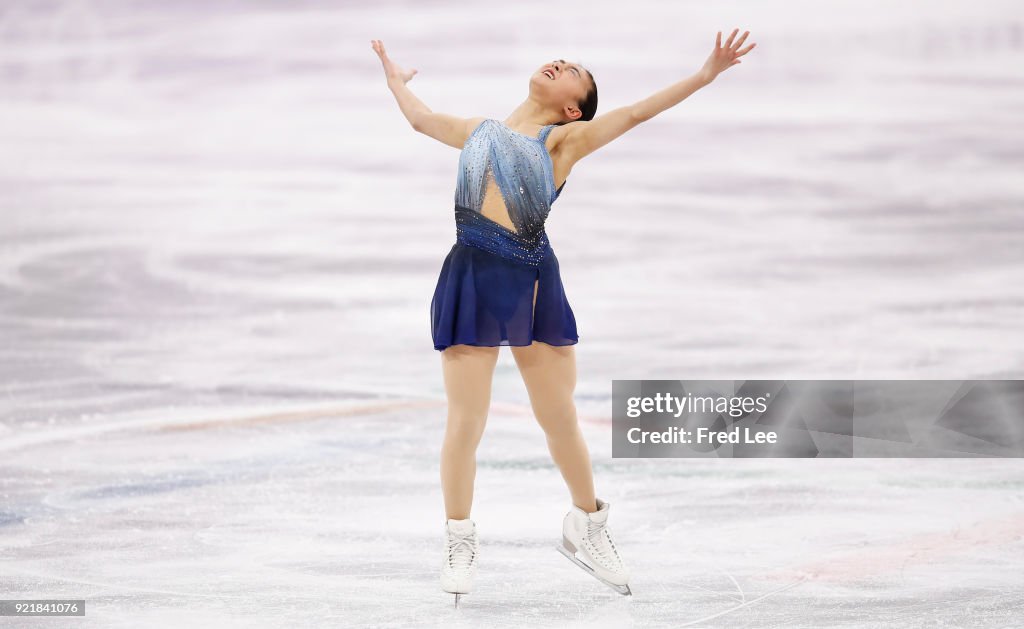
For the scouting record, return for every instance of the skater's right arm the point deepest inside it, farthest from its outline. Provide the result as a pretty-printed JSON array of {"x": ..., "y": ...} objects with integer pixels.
[{"x": 451, "y": 130}]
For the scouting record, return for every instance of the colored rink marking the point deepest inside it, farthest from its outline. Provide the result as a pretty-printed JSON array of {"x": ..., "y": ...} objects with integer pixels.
[
  {"x": 892, "y": 557},
  {"x": 298, "y": 416},
  {"x": 170, "y": 424},
  {"x": 351, "y": 411}
]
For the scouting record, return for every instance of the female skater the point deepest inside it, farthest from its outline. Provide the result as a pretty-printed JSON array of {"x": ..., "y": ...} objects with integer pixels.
[{"x": 500, "y": 285}]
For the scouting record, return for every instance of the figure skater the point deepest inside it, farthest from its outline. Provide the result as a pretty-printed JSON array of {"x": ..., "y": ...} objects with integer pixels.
[{"x": 500, "y": 285}]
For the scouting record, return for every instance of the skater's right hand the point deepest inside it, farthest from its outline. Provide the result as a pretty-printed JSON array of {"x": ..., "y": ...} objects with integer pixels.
[{"x": 393, "y": 72}]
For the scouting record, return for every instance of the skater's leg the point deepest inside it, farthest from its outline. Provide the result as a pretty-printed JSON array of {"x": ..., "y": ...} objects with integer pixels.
[
  {"x": 468, "y": 371},
  {"x": 549, "y": 373}
]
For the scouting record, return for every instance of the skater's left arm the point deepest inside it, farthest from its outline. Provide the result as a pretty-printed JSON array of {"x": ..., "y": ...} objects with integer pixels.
[{"x": 584, "y": 137}]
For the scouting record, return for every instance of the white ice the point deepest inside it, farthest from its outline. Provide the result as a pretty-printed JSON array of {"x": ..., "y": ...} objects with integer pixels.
[{"x": 220, "y": 406}]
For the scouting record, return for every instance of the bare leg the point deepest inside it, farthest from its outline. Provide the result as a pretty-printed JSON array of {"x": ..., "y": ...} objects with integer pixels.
[
  {"x": 468, "y": 372},
  {"x": 550, "y": 376}
]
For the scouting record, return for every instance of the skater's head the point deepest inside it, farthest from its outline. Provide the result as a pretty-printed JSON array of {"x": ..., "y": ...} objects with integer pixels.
[{"x": 567, "y": 88}]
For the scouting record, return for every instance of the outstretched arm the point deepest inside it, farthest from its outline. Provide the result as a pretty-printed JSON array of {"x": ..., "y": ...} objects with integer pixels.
[
  {"x": 585, "y": 137},
  {"x": 451, "y": 130}
]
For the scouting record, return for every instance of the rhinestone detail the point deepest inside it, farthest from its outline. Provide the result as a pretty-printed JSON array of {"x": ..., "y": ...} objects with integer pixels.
[
  {"x": 476, "y": 230},
  {"x": 521, "y": 168}
]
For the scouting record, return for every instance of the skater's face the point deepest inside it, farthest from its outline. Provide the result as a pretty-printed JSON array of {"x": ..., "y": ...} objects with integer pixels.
[{"x": 562, "y": 85}]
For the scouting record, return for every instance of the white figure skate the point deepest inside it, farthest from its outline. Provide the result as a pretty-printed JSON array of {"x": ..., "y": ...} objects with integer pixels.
[
  {"x": 587, "y": 542},
  {"x": 458, "y": 568}
]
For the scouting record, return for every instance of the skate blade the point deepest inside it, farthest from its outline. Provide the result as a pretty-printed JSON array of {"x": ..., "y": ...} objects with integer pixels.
[{"x": 621, "y": 589}]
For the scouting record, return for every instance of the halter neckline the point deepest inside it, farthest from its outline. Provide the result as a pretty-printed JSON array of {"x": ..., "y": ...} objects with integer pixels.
[{"x": 532, "y": 137}]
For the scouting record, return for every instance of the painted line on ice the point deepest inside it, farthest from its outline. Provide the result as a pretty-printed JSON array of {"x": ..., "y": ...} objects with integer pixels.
[
  {"x": 895, "y": 556},
  {"x": 166, "y": 422},
  {"x": 292, "y": 416}
]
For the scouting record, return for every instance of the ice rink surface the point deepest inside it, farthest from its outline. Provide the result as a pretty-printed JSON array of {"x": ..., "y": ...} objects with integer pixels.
[{"x": 218, "y": 243}]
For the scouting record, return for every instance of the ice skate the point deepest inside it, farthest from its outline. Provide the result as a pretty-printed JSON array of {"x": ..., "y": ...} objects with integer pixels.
[
  {"x": 587, "y": 542},
  {"x": 458, "y": 568}
]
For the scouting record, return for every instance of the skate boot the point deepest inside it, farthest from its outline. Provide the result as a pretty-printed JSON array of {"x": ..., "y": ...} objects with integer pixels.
[
  {"x": 460, "y": 551},
  {"x": 587, "y": 542}
]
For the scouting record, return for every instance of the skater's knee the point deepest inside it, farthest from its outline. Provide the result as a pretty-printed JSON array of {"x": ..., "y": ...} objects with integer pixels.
[
  {"x": 559, "y": 423},
  {"x": 465, "y": 428}
]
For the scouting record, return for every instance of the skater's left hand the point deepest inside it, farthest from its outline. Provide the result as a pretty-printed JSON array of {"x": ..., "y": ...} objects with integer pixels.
[
  {"x": 724, "y": 57},
  {"x": 394, "y": 73}
]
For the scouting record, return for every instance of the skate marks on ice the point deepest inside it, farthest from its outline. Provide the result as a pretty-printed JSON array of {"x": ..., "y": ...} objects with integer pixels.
[
  {"x": 299, "y": 510},
  {"x": 778, "y": 545},
  {"x": 742, "y": 605},
  {"x": 142, "y": 522},
  {"x": 177, "y": 235},
  {"x": 193, "y": 230}
]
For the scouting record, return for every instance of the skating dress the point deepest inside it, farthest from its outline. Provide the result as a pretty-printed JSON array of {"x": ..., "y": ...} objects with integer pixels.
[{"x": 485, "y": 291}]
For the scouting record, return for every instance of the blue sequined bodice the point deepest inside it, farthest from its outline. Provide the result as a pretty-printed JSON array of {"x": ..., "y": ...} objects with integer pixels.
[{"x": 519, "y": 165}]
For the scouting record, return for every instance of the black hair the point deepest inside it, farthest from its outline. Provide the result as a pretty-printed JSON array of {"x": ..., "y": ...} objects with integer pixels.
[{"x": 588, "y": 106}]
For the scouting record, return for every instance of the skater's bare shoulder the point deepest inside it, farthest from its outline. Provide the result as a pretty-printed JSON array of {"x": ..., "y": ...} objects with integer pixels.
[
  {"x": 446, "y": 128},
  {"x": 575, "y": 140}
]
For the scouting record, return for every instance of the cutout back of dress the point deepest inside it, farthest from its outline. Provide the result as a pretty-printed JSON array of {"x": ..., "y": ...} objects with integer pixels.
[{"x": 507, "y": 177}]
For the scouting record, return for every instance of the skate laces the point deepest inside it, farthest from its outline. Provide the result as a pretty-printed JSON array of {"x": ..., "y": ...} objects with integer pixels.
[
  {"x": 461, "y": 551},
  {"x": 603, "y": 547}
]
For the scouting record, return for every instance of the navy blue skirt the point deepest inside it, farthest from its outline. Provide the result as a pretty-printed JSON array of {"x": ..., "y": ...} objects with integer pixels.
[{"x": 484, "y": 293}]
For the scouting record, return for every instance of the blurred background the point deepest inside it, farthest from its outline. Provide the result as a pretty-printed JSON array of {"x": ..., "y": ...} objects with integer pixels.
[{"x": 219, "y": 238}]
